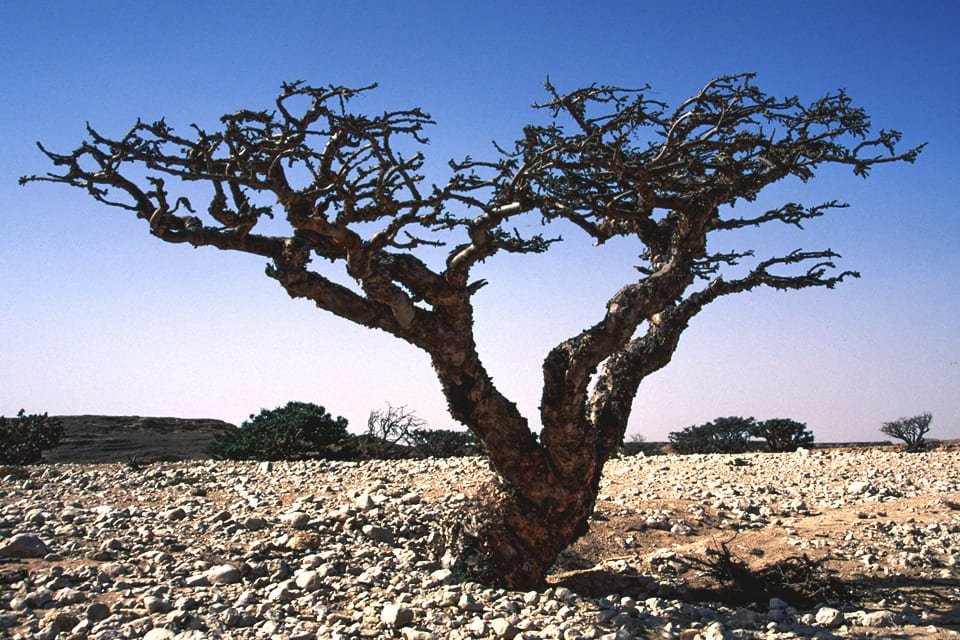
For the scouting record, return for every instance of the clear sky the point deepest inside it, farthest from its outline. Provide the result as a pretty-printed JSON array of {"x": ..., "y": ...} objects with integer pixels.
[{"x": 100, "y": 317}]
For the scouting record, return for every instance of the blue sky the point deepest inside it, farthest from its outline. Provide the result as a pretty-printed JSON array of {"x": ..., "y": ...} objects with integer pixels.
[{"x": 99, "y": 317}]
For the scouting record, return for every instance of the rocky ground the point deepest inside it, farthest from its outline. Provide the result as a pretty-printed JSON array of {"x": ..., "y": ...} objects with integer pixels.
[{"x": 811, "y": 544}]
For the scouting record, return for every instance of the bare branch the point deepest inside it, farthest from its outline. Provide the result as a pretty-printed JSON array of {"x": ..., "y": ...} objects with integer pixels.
[
  {"x": 346, "y": 187},
  {"x": 791, "y": 213}
]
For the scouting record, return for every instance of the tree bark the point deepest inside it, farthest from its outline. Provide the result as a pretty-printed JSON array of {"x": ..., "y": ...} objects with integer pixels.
[
  {"x": 522, "y": 538},
  {"x": 614, "y": 163},
  {"x": 541, "y": 508}
]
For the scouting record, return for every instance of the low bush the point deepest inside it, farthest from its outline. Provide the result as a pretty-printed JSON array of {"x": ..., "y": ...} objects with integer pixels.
[
  {"x": 723, "y": 435},
  {"x": 297, "y": 431},
  {"x": 443, "y": 443},
  {"x": 24, "y": 438},
  {"x": 782, "y": 434}
]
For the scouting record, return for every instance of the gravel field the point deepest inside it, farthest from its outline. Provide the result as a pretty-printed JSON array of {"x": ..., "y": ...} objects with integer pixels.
[{"x": 303, "y": 550}]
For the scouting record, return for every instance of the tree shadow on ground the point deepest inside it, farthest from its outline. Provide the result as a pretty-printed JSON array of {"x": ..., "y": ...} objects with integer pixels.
[
  {"x": 597, "y": 583},
  {"x": 799, "y": 581},
  {"x": 938, "y": 597}
]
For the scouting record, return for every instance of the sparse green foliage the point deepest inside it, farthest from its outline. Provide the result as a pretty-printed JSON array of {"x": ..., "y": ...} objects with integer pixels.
[
  {"x": 910, "y": 430},
  {"x": 723, "y": 435},
  {"x": 296, "y": 431},
  {"x": 783, "y": 434},
  {"x": 24, "y": 438}
]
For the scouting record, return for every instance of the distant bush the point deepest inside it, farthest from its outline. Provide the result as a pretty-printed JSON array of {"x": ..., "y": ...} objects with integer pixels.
[
  {"x": 24, "y": 438},
  {"x": 910, "y": 430},
  {"x": 783, "y": 434},
  {"x": 388, "y": 433},
  {"x": 635, "y": 444},
  {"x": 723, "y": 435},
  {"x": 296, "y": 431},
  {"x": 443, "y": 443},
  {"x": 397, "y": 432}
]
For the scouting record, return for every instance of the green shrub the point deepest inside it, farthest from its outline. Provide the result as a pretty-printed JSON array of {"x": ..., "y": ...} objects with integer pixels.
[
  {"x": 296, "y": 431},
  {"x": 910, "y": 430},
  {"x": 783, "y": 434},
  {"x": 22, "y": 439},
  {"x": 723, "y": 435},
  {"x": 443, "y": 443}
]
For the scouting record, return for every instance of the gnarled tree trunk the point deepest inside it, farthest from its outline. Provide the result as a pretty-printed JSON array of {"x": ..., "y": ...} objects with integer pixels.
[
  {"x": 522, "y": 539},
  {"x": 613, "y": 163},
  {"x": 539, "y": 511}
]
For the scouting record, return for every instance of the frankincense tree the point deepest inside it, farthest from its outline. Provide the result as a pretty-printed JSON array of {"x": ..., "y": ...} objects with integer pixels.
[
  {"x": 911, "y": 430},
  {"x": 783, "y": 434},
  {"x": 608, "y": 161}
]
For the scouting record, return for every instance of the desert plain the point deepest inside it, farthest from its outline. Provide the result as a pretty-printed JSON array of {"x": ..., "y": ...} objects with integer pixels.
[{"x": 828, "y": 543}]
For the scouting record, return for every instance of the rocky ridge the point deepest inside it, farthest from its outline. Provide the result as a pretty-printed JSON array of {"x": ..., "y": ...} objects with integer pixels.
[
  {"x": 320, "y": 549},
  {"x": 98, "y": 439}
]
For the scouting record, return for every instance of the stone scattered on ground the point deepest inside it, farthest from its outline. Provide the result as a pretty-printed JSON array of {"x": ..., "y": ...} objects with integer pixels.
[{"x": 342, "y": 550}]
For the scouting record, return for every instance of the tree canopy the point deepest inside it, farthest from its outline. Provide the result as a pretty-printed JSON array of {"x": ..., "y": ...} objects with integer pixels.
[{"x": 612, "y": 162}]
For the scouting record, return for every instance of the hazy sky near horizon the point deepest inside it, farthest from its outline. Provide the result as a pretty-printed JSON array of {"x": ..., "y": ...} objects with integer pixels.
[{"x": 100, "y": 317}]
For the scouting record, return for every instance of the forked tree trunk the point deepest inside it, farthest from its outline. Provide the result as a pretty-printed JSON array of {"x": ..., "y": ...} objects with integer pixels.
[
  {"x": 540, "y": 509},
  {"x": 522, "y": 539}
]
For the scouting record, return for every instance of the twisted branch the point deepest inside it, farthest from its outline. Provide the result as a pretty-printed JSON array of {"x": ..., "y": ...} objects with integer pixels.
[{"x": 610, "y": 162}]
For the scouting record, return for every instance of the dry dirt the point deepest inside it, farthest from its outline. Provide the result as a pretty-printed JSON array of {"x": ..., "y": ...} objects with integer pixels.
[
  {"x": 871, "y": 530},
  {"x": 882, "y": 521}
]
